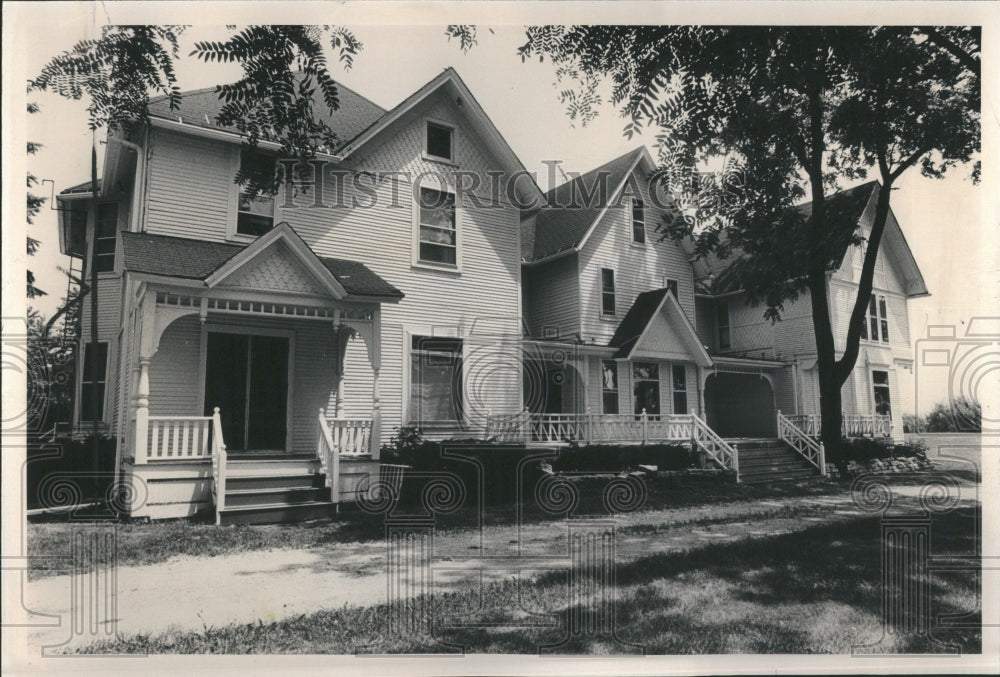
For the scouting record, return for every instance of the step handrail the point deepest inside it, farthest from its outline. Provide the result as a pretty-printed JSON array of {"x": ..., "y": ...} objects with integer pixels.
[
  {"x": 328, "y": 454},
  {"x": 806, "y": 446},
  {"x": 726, "y": 455},
  {"x": 218, "y": 466}
]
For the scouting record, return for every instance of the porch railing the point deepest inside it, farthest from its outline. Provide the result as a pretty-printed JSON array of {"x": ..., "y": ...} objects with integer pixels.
[
  {"x": 328, "y": 454},
  {"x": 590, "y": 428},
  {"x": 351, "y": 437},
  {"x": 851, "y": 425},
  {"x": 218, "y": 466},
  {"x": 180, "y": 438},
  {"x": 802, "y": 442}
]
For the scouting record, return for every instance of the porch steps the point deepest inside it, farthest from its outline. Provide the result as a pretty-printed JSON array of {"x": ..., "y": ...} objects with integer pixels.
[
  {"x": 274, "y": 488},
  {"x": 764, "y": 461}
]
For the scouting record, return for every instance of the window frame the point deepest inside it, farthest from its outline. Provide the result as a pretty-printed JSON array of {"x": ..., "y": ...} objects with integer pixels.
[
  {"x": 876, "y": 387},
  {"x": 613, "y": 392},
  {"x": 116, "y": 226},
  {"x": 636, "y": 202},
  {"x": 875, "y": 327},
  {"x": 84, "y": 380},
  {"x": 604, "y": 294},
  {"x": 654, "y": 380},
  {"x": 671, "y": 286},
  {"x": 426, "y": 151},
  {"x": 415, "y": 354},
  {"x": 674, "y": 390},
  {"x": 235, "y": 195},
  {"x": 721, "y": 306},
  {"x": 416, "y": 261}
]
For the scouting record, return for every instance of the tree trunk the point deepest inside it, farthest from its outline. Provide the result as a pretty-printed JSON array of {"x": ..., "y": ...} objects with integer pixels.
[
  {"x": 94, "y": 370},
  {"x": 826, "y": 363}
]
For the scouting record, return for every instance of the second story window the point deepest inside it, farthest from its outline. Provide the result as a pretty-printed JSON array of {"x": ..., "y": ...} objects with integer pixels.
[
  {"x": 256, "y": 216},
  {"x": 722, "y": 325},
  {"x": 106, "y": 232},
  {"x": 638, "y": 221},
  {"x": 438, "y": 237},
  {"x": 607, "y": 291},
  {"x": 876, "y": 325},
  {"x": 439, "y": 141}
]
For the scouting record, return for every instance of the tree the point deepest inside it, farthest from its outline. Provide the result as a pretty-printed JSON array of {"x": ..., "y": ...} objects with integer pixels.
[
  {"x": 793, "y": 109},
  {"x": 34, "y": 205},
  {"x": 958, "y": 415}
]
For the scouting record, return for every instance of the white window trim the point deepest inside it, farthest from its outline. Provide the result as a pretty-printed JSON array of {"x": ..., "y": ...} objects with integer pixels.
[
  {"x": 631, "y": 223},
  {"x": 673, "y": 391},
  {"x": 618, "y": 383},
  {"x": 872, "y": 386},
  {"x": 415, "y": 260},
  {"x": 427, "y": 155},
  {"x": 233, "y": 211},
  {"x": 437, "y": 332},
  {"x": 600, "y": 293}
]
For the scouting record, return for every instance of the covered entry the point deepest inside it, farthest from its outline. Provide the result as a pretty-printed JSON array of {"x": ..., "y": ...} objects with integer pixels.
[{"x": 740, "y": 405}]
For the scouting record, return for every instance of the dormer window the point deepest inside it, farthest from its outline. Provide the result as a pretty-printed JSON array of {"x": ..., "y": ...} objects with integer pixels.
[
  {"x": 440, "y": 141},
  {"x": 255, "y": 216},
  {"x": 638, "y": 221}
]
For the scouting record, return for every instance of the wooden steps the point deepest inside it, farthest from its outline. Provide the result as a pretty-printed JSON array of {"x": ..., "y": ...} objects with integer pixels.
[
  {"x": 272, "y": 488},
  {"x": 771, "y": 460}
]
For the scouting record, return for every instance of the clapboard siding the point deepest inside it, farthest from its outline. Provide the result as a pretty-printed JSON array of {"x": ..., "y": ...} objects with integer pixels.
[
  {"x": 188, "y": 187},
  {"x": 174, "y": 370},
  {"x": 109, "y": 294},
  {"x": 704, "y": 314},
  {"x": 190, "y": 181},
  {"x": 552, "y": 299},
  {"x": 637, "y": 268}
]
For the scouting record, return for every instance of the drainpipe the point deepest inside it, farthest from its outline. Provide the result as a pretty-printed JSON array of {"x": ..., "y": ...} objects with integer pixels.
[{"x": 138, "y": 186}]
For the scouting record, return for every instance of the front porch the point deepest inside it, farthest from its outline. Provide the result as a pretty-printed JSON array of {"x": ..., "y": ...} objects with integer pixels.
[{"x": 221, "y": 386}]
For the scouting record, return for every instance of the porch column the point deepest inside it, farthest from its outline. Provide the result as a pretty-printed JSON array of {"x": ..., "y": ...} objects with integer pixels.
[
  {"x": 142, "y": 411},
  {"x": 376, "y": 363}
]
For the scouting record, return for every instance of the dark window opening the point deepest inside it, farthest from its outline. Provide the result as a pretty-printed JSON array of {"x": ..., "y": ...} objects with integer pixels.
[
  {"x": 638, "y": 221},
  {"x": 256, "y": 216},
  {"x": 435, "y": 379},
  {"x": 92, "y": 409},
  {"x": 439, "y": 141},
  {"x": 646, "y": 388},
  {"x": 607, "y": 291},
  {"x": 679, "y": 373},
  {"x": 609, "y": 386}
]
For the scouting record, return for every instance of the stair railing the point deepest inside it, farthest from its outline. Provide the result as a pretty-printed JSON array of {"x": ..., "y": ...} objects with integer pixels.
[
  {"x": 724, "y": 454},
  {"x": 218, "y": 466},
  {"x": 808, "y": 447},
  {"x": 328, "y": 454}
]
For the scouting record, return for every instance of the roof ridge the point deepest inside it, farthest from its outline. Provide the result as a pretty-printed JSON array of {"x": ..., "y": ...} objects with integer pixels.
[{"x": 587, "y": 174}]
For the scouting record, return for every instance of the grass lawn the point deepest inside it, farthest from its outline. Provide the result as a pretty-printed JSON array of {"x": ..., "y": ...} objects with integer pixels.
[
  {"x": 813, "y": 591},
  {"x": 149, "y": 543}
]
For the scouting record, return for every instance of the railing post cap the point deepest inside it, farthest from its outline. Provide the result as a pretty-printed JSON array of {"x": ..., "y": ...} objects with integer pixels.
[
  {"x": 216, "y": 410},
  {"x": 322, "y": 412}
]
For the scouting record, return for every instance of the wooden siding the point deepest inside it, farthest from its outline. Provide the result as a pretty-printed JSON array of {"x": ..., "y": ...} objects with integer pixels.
[
  {"x": 704, "y": 325},
  {"x": 109, "y": 297},
  {"x": 188, "y": 196},
  {"x": 188, "y": 186},
  {"x": 637, "y": 268},
  {"x": 552, "y": 299}
]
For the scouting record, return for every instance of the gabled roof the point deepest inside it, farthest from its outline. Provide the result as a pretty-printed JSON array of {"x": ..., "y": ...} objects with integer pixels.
[
  {"x": 80, "y": 189},
  {"x": 198, "y": 260},
  {"x": 200, "y": 107},
  {"x": 847, "y": 210},
  {"x": 566, "y": 225},
  {"x": 645, "y": 309}
]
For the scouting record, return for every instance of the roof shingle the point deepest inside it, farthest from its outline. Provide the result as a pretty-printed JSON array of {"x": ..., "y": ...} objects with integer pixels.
[{"x": 197, "y": 259}]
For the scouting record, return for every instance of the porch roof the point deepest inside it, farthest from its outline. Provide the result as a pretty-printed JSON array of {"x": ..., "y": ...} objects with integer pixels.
[
  {"x": 644, "y": 313},
  {"x": 197, "y": 260}
]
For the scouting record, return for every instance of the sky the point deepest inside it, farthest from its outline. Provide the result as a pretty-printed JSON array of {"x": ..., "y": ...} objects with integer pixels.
[{"x": 946, "y": 221}]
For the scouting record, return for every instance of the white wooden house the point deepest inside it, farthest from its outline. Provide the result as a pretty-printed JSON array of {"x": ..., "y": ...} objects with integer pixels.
[{"x": 255, "y": 354}]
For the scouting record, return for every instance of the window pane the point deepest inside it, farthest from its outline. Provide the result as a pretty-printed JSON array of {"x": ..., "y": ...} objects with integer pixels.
[
  {"x": 864, "y": 329},
  {"x": 680, "y": 402},
  {"x": 105, "y": 263},
  {"x": 88, "y": 410},
  {"x": 261, "y": 206},
  {"x": 610, "y": 402},
  {"x": 437, "y": 253},
  {"x": 609, "y": 375},
  {"x": 645, "y": 371},
  {"x": 680, "y": 377},
  {"x": 437, "y": 236},
  {"x": 438, "y": 141},
  {"x": 880, "y": 377},
  {"x": 107, "y": 219},
  {"x": 724, "y": 338},
  {"x": 647, "y": 396},
  {"x": 436, "y": 377},
  {"x": 672, "y": 287},
  {"x": 873, "y": 321},
  {"x": 885, "y": 331},
  {"x": 722, "y": 312},
  {"x": 105, "y": 245},
  {"x": 250, "y": 224},
  {"x": 607, "y": 280},
  {"x": 608, "y": 304},
  {"x": 871, "y": 305}
]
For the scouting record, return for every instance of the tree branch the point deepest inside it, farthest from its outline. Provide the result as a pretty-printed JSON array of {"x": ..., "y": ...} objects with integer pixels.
[{"x": 936, "y": 37}]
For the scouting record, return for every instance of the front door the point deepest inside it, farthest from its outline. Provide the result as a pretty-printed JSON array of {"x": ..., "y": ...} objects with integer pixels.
[{"x": 246, "y": 376}]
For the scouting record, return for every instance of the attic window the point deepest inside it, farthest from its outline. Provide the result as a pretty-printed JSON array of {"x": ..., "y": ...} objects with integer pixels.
[
  {"x": 439, "y": 141},
  {"x": 638, "y": 221}
]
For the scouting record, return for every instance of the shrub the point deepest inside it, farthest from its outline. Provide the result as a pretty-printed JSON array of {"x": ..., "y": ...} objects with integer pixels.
[
  {"x": 61, "y": 473},
  {"x": 402, "y": 445},
  {"x": 864, "y": 449},
  {"x": 958, "y": 415},
  {"x": 616, "y": 458}
]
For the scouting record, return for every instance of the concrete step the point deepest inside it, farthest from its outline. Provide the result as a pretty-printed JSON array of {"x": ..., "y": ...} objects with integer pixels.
[
  {"x": 243, "y": 466},
  {"x": 297, "y": 481},
  {"x": 782, "y": 476},
  {"x": 277, "y": 512},
  {"x": 783, "y": 462},
  {"x": 288, "y": 495}
]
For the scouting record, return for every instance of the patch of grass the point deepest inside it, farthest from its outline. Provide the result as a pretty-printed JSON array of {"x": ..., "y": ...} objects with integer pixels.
[{"x": 817, "y": 590}]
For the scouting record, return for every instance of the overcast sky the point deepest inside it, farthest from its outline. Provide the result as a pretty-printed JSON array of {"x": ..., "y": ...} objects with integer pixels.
[{"x": 943, "y": 220}]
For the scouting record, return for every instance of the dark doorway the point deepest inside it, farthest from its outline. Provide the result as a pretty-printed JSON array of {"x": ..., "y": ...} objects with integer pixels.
[
  {"x": 246, "y": 376},
  {"x": 740, "y": 405}
]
